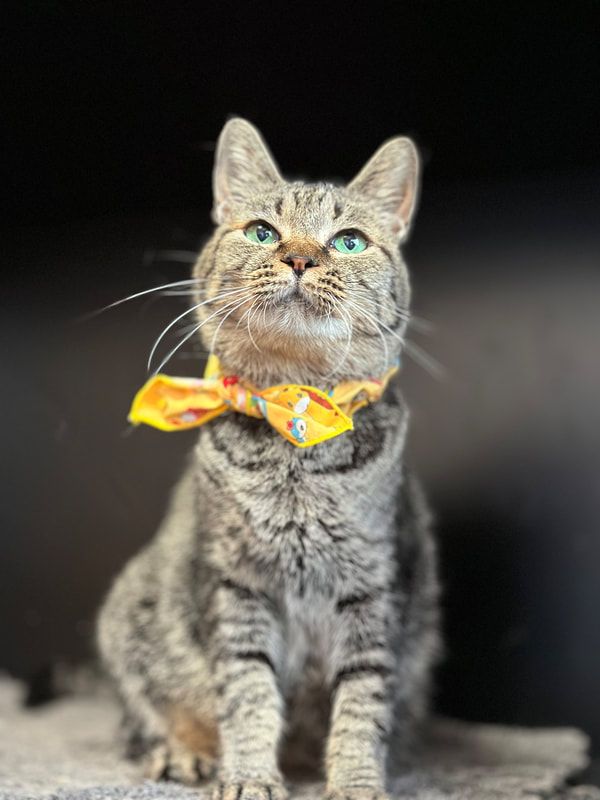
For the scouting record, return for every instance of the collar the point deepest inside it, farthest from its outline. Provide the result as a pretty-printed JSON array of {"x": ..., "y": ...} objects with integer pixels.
[{"x": 304, "y": 415}]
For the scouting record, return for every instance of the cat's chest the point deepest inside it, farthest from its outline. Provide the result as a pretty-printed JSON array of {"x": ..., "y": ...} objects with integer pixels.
[
  {"x": 311, "y": 520},
  {"x": 310, "y": 630}
]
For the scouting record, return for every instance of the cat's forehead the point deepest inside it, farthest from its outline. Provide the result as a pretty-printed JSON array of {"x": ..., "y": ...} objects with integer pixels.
[{"x": 313, "y": 209}]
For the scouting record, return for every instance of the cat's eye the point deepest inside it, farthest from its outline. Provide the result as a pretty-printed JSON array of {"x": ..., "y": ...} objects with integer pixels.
[
  {"x": 349, "y": 242},
  {"x": 261, "y": 233}
]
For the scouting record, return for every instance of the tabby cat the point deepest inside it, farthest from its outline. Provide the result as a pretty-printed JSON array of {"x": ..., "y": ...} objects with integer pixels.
[{"x": 286, "y": 611}]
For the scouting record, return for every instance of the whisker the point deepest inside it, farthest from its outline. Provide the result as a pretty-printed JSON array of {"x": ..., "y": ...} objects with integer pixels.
[
  {"x": 419, "y": 356},
  {"x": 181, "y": 256},
  {"x": 425, "y": 360},
  {"x": 348, "y": 324},
  {"x": 191, "y": 333},
  {"x": 183, "y": 329},
  {"x": 225, "y": 294},
  {"x": 179, "y": 292},
  {"x": 264, "y": 311},
  {"x": 350, "y": 328},
  {"x": 365, "y": 314},
  {"x": 95, "y": 313},
  {"x": 417, "y": 353},
  {"x": 248, "y": 318},
  {"x": 402, "y": 311},
  {"x": 194, "y": 284},
  {"x": 229, "y": 313},
  {"x": 194, "y": 290},
  {"x": 421, "y": 325}
]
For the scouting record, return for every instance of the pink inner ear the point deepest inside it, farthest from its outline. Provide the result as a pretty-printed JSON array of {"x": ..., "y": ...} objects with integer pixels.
[
  {"x": 406, "y": 206},
  {"x": 399, "y": 226},
  {"x": 220, "y": 212}
]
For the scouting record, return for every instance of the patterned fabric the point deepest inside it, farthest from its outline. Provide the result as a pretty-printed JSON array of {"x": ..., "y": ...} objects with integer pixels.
[{"x": 304, "y": 415}]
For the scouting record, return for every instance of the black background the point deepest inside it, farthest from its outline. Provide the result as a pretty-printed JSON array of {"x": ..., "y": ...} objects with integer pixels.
[{"x": 112, "y": 110}]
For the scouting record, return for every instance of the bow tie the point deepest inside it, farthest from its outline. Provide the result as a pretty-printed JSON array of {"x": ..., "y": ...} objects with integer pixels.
[{"x": 304, "y": 415}]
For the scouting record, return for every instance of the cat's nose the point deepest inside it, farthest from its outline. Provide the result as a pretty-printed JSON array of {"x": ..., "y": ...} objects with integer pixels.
[{"x": 299, "y": 263}]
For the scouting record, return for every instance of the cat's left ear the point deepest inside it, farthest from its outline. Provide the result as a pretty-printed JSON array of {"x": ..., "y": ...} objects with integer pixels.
[{"x": 390, "y": 180}]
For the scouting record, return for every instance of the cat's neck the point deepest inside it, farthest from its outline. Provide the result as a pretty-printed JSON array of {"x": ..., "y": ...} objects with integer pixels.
[{"x": 271, "y": 369}]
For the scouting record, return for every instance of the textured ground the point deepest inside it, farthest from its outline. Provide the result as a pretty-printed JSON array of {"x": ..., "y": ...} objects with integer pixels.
[{"x": 65, "y": 751}]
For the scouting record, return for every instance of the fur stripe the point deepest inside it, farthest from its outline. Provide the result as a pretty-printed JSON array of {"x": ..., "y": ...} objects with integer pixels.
[
  {"x": 255, "y": 655},
  {"x": 243, "y": 592},
  {"x": 359, "y": 671},
  {"x": 352, "y": 600}
]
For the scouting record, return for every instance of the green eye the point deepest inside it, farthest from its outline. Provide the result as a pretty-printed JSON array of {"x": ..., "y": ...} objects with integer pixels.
[
  {"x": 349, "y": 242},
  {"x": 261, "y": 233}
]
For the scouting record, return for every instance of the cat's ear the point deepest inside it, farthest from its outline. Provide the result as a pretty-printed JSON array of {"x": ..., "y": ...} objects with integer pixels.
[
  {"x": 243, "y": 167},
  {"x": 390, "y": 180}
]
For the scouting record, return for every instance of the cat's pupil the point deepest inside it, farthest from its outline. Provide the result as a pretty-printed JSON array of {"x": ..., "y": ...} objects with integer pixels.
[
  {"x": 262, "y": 233},
  {"x": 350, "y": 242}
]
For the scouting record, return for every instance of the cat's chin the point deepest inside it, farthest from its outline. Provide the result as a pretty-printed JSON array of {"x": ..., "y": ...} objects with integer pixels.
[
  {"x": 296, "y": 321},
  {"x": 285, "y": 344}
]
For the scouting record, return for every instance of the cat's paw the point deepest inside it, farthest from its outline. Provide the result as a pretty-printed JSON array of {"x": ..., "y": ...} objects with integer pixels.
[
  {"x": 166, "y": 763},
  {"x": 356, "y": 793},
  {"x": 249, "y": 790}
]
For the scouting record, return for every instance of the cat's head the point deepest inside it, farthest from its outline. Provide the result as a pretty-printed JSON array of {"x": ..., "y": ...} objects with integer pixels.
[{"x": 305, "y": 282}]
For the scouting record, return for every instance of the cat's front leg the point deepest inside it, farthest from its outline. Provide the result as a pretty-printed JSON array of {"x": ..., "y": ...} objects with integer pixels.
[
  {"x": 247, "y": 648},
  {"x": 361, "y": 709}
]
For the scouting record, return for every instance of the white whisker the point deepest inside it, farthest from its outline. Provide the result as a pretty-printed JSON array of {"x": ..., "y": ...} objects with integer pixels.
[
  {"x": 179, "y": 292},
  {"x": 419, "y": 356},
  {"x": 421, "y": 325},
  {"x": 222, "y": 295},
  {"x": 365, "y": 314},
  {"x": 192, "y": 332},
  {"x": 229, "y": 313},
  {"x": 95, "y": 313},
  {"x": 250, "y": 313},
  {"x": 348, "y": 325},
  {"x": 182, "y": 256},
  {"x": 264, "y": 311},
  {"x": 401, "y": 311},
  {"x": 425, "y": 360}
]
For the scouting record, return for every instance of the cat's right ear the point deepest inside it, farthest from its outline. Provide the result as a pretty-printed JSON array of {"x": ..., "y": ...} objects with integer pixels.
[{"x": 243, "y": 167}]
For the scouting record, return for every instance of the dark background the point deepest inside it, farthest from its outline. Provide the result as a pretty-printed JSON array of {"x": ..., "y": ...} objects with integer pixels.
[{"x": 112, "y": 110}]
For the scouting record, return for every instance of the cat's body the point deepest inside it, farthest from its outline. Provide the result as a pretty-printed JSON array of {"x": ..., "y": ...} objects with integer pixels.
[{"x": 288, "y": 604}]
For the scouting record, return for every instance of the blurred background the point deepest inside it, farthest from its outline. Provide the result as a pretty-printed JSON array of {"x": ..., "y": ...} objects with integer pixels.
[{"x": 110, "y": 116}]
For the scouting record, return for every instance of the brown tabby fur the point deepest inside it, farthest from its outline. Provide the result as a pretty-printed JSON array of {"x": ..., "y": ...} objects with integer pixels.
[{"x": 286, "y": 611}]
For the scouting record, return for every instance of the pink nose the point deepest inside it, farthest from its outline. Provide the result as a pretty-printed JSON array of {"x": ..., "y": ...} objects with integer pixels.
[{"x": 299, "y": 263}]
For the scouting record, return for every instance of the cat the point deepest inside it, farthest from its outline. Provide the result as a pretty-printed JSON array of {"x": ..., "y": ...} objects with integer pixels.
[{"x": 287, "y": 609}]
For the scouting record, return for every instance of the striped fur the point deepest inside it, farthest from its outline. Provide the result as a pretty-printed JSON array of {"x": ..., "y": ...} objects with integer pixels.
[{"x": 286, "y": 611}]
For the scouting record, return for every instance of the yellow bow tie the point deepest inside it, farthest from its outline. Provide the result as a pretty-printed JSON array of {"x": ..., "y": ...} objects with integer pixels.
[{"x": 303, "y": 415}]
